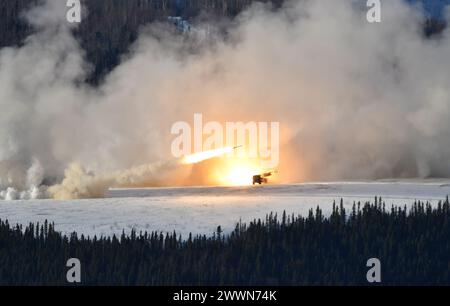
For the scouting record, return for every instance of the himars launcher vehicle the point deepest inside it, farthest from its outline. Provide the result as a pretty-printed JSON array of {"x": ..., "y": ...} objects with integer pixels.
[
  {"x": 263, "y": 177},
  {"x": 260, "y": 178}
]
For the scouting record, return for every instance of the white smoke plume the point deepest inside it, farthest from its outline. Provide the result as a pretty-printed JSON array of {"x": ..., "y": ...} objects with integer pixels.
[{"x": 354, "y": 100}]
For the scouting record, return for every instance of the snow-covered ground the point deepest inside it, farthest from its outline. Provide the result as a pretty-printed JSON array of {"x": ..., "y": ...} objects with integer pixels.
[{"x": 201, "y": 209}]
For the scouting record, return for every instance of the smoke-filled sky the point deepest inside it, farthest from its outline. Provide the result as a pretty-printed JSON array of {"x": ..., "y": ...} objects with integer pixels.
[{"x": 354, "y": 100}]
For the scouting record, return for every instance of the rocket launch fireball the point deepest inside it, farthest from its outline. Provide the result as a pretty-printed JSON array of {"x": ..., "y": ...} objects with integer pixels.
[{"x": 226, "y": 170}]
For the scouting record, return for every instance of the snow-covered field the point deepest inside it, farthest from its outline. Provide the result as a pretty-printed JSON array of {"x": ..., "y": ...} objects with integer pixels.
[{"x": 201, "y": 209}]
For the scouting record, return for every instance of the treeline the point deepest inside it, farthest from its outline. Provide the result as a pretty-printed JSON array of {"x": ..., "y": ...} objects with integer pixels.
[
  {"x": 223, "y": 8},
  {"x": 413, "y": 246}
]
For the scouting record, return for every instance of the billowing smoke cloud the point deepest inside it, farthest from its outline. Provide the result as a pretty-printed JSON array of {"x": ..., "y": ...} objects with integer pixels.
[{"x": 354, "y": 100}]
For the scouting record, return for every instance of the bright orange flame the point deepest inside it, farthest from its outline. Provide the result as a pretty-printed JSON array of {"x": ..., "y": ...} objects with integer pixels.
[
  {"x": 236, "y": 172},
  {"x": 240, "y": 175},
  {"x": 201, "y": 156}
]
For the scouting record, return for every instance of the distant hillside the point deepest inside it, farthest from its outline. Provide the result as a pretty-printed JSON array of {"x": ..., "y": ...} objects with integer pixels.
[
  {"x": 112, "y": 25},
  {"x": 433, "y": 7}
]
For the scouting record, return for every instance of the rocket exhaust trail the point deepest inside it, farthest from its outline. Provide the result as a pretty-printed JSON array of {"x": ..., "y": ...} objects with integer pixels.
[
  {"x": 201, "y": 156},
  {"x": 79, "y": 183}
]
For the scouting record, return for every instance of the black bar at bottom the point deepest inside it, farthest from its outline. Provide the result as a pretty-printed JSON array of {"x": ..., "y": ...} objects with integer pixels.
[{"x": 217, "y": 295}]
